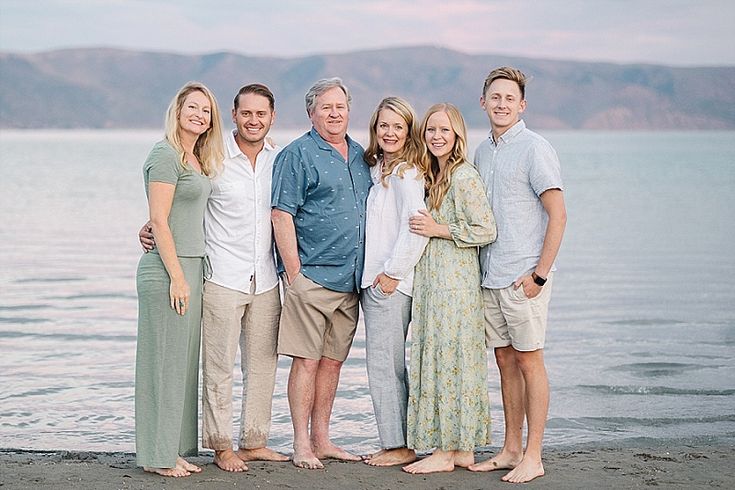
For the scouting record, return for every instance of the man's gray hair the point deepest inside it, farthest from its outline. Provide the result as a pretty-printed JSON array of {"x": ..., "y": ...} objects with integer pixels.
[{"x": 322, "y": 86}]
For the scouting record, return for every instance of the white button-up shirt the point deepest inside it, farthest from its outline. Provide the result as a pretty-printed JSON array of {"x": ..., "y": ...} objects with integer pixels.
[
  {"x": 390, "y": 247},
  {"x": 237, "y": 221}
]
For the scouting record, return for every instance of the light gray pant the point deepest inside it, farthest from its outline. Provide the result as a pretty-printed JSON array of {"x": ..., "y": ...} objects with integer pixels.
[
  {"x": 386, "y": 326},
  {"x": 230, "y": 316}
]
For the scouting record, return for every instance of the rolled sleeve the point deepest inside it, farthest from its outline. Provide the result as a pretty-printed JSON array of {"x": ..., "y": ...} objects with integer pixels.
[{"x": 545, "y": 169}]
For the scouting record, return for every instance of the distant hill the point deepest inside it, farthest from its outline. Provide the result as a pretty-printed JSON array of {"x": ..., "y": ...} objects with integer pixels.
[{"x": 112, "y": 88}]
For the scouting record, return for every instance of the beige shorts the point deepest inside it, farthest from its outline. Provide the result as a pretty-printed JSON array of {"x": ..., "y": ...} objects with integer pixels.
[
  {"x": 316, "y": 322},
  {"x": 513, "y": 319}
]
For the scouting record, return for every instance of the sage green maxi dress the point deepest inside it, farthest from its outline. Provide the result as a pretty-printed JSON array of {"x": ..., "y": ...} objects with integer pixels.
[
  {"x": 167, "y": 358},
  {"x": 448, "y": 405}
]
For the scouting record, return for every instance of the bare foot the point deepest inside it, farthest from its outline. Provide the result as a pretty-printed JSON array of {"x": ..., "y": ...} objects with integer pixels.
[
  {"x": 502, "y": 461},
  {"x": 329, "y": 450},
  {"x": 227, "y": 460},
  {"x": 392, "y": 457},
  {"x": 440, "y": 461},
  {"x": 181, "y": 463},
  {"x": 305, "y": 458},
  {"x": 366, "y": 457},
  {"x": 526, "y": 471},
  {"x": 260, "y": 454},
  {"x": 172, "y": 472},
  {"x": 465, "y": 459}
]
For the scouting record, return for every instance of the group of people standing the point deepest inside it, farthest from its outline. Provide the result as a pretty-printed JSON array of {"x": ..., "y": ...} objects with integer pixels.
[{"x": 395, "y": 229}]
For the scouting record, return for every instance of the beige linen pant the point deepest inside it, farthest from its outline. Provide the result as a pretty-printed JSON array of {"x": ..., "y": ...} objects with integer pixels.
[{"x": 229, "y": 318}]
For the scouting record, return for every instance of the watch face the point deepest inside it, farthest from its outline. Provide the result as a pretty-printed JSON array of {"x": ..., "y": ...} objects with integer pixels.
[{"x": 540, "y": 281}]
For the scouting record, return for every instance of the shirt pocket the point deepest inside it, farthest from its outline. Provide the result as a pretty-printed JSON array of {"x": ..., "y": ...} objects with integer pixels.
[{"x": 231, "y": 195}]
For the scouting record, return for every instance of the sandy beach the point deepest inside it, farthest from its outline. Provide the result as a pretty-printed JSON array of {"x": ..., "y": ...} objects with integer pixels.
[{"x": 679, "y": 465}]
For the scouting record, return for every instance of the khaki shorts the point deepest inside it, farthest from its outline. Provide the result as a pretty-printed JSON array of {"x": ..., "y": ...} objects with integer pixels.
[
  {"x": 513, "y": 319},
  {"x": 316, "y": 322}
]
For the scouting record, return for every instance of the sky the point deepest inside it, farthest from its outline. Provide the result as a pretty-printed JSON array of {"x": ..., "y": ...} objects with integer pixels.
[{"x": 668, "y": 32}]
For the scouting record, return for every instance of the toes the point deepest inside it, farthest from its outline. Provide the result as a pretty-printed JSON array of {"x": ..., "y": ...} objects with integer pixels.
[{"x": 309, "y": 465}]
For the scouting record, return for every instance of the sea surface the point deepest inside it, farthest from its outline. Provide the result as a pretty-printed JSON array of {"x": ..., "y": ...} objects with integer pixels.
[{"x": 640, "y": 346}]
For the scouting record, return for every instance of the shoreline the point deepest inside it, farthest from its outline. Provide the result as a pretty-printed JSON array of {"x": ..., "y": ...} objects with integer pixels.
[{"x": 672, "y": 464}]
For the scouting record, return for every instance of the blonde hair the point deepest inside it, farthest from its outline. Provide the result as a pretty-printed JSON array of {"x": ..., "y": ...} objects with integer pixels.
[
  {"x": 409, "y": 155},
  {"x": 208, "y": 148},
  {"x": 436, "y": 188},
  {"x": 506, "y": 73}
]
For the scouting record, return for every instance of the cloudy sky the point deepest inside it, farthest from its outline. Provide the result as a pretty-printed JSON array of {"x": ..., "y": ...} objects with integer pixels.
[{"x": 671, "y": 32}]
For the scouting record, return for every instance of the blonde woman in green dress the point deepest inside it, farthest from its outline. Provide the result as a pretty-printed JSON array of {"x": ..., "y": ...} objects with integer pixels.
[
  {"x": 169, "y": 283},
  {"x": 448, "y": 406}
]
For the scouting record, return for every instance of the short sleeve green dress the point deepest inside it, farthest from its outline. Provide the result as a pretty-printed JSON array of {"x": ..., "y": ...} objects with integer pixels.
[
  {"x": 167, "y": 356},
  {"x": 448, "y": 406}
]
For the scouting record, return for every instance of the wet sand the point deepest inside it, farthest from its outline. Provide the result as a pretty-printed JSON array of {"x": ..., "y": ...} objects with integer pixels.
[{"x": 676, "y": 465}]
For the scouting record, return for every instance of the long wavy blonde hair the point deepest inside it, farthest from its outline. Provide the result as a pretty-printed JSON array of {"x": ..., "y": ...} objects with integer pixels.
[
  {"x": 409, "y": 156},
  {"x": 436, "y": 188},
  {"x": 208, "y": 148}
]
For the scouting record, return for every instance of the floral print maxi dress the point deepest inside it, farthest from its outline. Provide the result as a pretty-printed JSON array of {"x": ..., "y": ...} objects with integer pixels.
[{"x": 448, "y": 406}]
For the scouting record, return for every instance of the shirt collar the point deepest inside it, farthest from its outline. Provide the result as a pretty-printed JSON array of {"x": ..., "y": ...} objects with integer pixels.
[
  {"x": 511, "y": 133},
  {"x": 322, "y": 143},
  {"x": 233, "y": 150}
]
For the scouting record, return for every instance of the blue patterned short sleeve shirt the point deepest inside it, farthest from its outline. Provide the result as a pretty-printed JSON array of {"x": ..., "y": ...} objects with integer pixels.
[{"x": 326, "y": 196}]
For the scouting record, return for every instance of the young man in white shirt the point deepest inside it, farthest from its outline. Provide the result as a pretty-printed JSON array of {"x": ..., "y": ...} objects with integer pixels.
[{"x": 241, "y": 303}]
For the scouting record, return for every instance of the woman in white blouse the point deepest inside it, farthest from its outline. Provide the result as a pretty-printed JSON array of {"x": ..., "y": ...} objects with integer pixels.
[{"x": 391, "y": 252}]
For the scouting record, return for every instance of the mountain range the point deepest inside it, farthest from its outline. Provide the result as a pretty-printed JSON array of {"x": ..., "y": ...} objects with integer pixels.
[{"x": 114, "y": 88}]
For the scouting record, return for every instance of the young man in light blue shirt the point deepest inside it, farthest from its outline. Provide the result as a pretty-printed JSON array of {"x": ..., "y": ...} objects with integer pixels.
[{"x": 523, "y": 183}]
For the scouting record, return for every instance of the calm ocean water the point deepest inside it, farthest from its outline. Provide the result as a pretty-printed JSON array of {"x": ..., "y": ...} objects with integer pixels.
[{"x": 642, "y": 332}]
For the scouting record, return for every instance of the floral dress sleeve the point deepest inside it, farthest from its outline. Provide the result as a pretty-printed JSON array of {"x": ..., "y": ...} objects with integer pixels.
[{"x": 474, "y": 223}]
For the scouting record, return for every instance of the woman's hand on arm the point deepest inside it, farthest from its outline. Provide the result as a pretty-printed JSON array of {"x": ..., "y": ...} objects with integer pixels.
[{"x": 424, "y": 224}]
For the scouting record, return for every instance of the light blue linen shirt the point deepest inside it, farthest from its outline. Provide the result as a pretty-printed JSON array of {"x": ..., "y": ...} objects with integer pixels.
[
  {"x": 516, "y": 170},
  {"x": 327, "y": 197}
]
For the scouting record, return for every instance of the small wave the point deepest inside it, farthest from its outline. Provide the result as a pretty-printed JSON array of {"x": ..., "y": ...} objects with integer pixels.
[
  {"x": 23, "y": 307},
  {"x": 654, "y": 390},
  {"x": 657, "y": 369},
  {"x": 37, "y": 392},
  {"x": 23, "y": 320},
  {"x": 48, "y": 280},
  {"x": 644, "y": 322},
  {"x": 94, "y": 296},
  {"x": 624, "y": 423},
  {"x": 67, "y": 336}
]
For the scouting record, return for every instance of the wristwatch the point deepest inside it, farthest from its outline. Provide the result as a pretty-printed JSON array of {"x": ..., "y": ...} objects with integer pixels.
[{"x": 540, "y": 281}]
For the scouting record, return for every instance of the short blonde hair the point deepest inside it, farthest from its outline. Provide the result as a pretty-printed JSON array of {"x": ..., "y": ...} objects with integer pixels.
[
  {"x": 208, "y": 148},
  {"x": 507, "y": 73}
]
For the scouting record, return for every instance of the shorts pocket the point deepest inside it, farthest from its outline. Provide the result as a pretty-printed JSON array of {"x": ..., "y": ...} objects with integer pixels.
[{"x": 518, "y": 295}]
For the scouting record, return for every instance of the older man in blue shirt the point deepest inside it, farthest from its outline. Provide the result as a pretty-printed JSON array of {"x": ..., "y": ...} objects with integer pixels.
[{"x": 320, "y": 186}]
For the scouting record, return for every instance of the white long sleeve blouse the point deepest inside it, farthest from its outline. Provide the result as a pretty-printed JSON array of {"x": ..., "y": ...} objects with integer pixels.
[{"x": 390, "y": 247}]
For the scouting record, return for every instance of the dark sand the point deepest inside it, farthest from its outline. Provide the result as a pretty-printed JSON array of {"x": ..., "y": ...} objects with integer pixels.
[{"x": 678, "y": 465}]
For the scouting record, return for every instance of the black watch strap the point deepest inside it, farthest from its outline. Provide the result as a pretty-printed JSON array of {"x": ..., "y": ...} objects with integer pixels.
[{"x": 540, "y": 281}]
